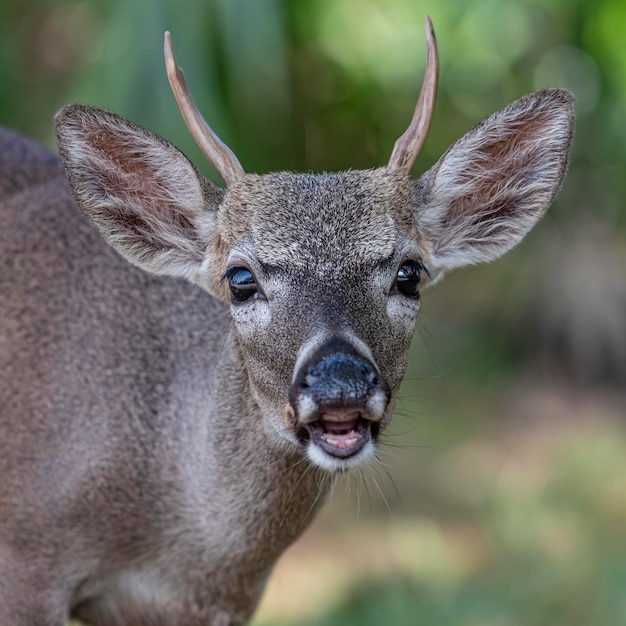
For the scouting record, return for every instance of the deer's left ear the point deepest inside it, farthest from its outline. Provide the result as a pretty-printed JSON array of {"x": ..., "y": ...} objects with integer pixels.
[{"x": 491, "y": 187}]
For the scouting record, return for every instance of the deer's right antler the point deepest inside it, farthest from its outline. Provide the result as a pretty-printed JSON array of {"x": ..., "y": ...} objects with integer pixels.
[
  {"x": 409, "y": 145},
  {"x": 215, "y": 150}
]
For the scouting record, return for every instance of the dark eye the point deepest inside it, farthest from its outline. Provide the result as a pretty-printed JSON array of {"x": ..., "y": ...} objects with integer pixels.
[
  {"x": 241, "y": 282},
  {"x": 409, "y": 278}
]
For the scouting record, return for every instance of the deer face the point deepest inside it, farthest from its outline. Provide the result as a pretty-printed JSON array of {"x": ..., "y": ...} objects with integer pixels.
[
  {"x": 323, "y": 275},
  {"x": 322, "y": 272}
]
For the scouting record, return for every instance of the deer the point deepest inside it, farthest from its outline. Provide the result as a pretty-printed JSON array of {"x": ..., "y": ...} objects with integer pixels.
[{"x": 185, "y": 369}]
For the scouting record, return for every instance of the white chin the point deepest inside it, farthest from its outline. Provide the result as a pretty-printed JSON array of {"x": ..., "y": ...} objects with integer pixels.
[{"x": 330, "y": 463}]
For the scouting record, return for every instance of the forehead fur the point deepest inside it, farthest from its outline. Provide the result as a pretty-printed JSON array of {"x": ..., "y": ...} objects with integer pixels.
[{"x": 296, "y": 218}]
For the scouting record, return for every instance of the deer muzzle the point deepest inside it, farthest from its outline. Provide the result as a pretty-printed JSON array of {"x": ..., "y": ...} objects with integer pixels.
[{"x": 338, "y": 398}]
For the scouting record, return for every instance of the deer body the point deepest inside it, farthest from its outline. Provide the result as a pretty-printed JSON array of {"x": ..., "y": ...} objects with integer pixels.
[{"x": 162, "y": 442}]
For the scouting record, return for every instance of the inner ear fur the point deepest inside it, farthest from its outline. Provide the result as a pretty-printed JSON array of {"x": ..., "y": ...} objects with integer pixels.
[
  {"x": 490, "y": 188},
  {"x": 144, "y": 196}
]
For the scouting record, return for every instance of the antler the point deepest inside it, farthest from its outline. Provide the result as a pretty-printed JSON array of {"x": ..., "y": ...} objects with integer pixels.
[
  {"x": 408, "y": 146},
  {"x": 218, "y": 153}
]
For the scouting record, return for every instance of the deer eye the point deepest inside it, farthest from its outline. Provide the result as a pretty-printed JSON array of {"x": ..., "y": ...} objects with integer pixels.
[
  {"x": 241, "y": 282},
  {"x": 409, "y": 278}
]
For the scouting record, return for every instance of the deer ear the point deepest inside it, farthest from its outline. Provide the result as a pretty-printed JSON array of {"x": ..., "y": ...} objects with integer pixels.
[
  {"x": 491, "y": 187},
  {"x": 142, "y": 194}
]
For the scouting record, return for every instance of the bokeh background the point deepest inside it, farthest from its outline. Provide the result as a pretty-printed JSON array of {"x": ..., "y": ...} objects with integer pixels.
[{"x": 500, "y": 499}]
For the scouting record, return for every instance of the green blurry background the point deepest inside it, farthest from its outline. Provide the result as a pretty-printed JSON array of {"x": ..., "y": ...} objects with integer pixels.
[{"x": 500, "y": 499}]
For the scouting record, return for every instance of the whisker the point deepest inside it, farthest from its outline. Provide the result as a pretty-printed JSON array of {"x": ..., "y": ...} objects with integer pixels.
[
  {"x": 410, "y": 446},
  {"x": 366, "y": 487},
  {"x": 412, "y": 413},
  {"x": 308, "y": 469},
  {"x": 333, "y": 484},
  {"x": 380, "y": 491},
  {"x": 358, "y": 503},
  {"x": 438, "y": 376},
  {"x": 383, "y": 466},
  {"x": 423, "y": 331},
  {"x": 398, "y": 433},
  {"x": 319, "y": 495},
  {"x": 393, "y": 456}
]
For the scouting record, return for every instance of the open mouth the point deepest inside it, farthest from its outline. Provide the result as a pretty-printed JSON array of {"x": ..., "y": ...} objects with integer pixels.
[{"x": 341, "y": 438}]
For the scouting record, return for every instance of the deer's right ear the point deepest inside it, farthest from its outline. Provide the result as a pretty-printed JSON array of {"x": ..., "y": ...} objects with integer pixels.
[
  {"x": 491, "y": 187},
  {"x": 142, "y": 194}
]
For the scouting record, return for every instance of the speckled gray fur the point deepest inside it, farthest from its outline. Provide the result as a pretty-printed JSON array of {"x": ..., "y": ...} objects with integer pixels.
[{"x": 149, "y": 474}]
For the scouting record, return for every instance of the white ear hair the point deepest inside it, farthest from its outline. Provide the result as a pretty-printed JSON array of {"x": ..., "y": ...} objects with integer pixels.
[
  {"x": 143, "y": 195},
  {"x": 491, "y": 187}
]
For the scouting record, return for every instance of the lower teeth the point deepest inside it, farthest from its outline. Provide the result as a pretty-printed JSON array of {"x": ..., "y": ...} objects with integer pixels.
[{"x": 348, "y": 443}]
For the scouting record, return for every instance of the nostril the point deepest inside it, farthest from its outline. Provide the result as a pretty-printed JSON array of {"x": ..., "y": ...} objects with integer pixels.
[
  {"x": 369, "y": 374},
  {"x": 310, "y": 380}
]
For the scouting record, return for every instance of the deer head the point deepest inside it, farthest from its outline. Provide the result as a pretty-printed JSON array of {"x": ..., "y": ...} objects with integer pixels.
[{"x": 322, "y": 273}]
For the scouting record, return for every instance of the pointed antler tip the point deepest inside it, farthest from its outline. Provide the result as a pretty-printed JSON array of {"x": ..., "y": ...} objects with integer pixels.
[
  {"x": 408, "y": 146},
  {"x": 174, "y": 72},
  {"x": 430, "y": 30},
  {"x": 214, "y": 149},
  {"x": 167, "y": 47}
]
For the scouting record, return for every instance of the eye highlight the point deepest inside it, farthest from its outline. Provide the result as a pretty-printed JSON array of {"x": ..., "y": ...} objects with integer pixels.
[
  {"x": 409, "y": 278},
  {"x": 241, "y": 282}
]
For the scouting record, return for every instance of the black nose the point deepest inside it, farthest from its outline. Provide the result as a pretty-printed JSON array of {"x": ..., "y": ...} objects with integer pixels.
[
  {"x": 340, "y": 379},
  {"x": 336, "y": 376}
]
